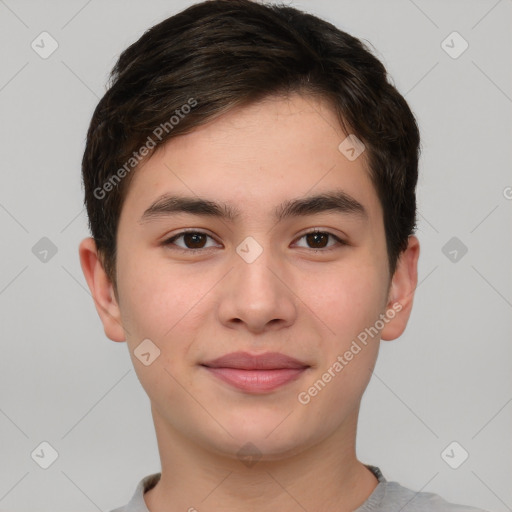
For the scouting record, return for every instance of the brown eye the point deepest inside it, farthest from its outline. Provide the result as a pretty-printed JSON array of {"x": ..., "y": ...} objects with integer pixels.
[
  {"x": 317, "y": 240},
  {"x": 320, "y": 240},
  {"x": 194, "y": 240},
  {"x": 190, "y": 241}
]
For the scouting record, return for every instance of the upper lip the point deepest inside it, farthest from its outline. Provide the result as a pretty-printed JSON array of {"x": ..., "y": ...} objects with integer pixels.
[{"x": 246, "y": 361}]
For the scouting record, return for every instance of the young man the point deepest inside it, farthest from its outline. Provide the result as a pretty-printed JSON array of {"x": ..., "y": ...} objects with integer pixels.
[{"x": 250, "y": 184}]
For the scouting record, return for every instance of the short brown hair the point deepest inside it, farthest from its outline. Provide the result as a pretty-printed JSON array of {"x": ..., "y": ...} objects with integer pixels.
[{"x": 220, "y": 54}]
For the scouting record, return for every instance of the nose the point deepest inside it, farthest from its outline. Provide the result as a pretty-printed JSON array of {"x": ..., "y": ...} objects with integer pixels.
[{"x": 258, "y": 295}]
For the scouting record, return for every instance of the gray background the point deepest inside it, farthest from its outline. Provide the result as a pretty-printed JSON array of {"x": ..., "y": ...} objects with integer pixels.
[{"x": 446, "y": 379}]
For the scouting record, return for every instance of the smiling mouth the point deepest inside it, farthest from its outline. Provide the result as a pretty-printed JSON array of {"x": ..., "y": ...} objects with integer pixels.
[{"x": 256, "y": 373}]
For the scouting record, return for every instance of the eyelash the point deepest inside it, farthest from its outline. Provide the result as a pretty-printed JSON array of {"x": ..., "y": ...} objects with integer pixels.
[{"x": 170, "y": 241}]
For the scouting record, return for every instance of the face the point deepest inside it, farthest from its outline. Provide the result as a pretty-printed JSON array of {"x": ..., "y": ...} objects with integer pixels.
[{"x": 201, "y": 284}]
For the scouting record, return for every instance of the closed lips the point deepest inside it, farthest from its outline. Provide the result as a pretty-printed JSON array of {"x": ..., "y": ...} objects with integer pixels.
[{"x": 246, "y": 361}]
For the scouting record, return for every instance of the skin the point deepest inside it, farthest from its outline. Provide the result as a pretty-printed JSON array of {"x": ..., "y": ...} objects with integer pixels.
[{"x": 297, "y": 298}]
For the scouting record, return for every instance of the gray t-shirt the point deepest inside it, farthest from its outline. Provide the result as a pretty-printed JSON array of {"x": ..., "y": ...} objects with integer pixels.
[{"x": 386, "y": 497}]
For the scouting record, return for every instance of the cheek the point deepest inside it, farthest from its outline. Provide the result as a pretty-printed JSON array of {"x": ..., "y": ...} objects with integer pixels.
[
  {"x": 158, "y": 306},
  {"x": 149, "y": 297},
  {"x": 163, "y": 302},
  {"x": 348, "y": 303},
  {"x": 347, "y": 299}
]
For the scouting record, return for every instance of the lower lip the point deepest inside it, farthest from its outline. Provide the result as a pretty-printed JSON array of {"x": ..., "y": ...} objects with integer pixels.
[{"x": 257, "y": 380}]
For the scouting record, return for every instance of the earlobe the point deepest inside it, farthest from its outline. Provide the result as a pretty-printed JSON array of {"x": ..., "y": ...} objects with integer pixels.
[
  {"x": 101, "y": 289},
  {"x": 401, "y": 294}
]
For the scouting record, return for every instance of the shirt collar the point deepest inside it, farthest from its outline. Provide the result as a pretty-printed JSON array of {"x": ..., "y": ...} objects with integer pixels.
[{"x": 137, "y": 503}]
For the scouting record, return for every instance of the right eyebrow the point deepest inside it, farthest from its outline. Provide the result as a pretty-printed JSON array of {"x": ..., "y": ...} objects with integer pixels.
[{"x": 170, "y": 204}]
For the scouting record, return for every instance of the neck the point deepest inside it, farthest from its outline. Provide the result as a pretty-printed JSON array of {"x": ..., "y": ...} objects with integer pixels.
[{"x": 324, "y": 477}]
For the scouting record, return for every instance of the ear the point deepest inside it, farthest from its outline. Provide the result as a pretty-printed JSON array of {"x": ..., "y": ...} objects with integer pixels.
[
  {"x": 401, "y": 293},
  {"x": 102, "y": 290}
]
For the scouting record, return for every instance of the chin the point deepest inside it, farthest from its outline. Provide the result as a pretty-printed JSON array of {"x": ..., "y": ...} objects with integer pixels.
[{"x": 261, "y": 441}]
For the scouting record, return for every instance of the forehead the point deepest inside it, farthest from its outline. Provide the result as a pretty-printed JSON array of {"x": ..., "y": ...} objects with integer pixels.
[{"x": 255, "y": 158}]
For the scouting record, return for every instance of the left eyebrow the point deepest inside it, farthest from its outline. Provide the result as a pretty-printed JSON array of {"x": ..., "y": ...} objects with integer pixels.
[{"x": 337, "y": 200}]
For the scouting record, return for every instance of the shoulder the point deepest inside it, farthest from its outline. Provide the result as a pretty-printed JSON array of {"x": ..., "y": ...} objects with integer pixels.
[{"x": 408, "y": 500}]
